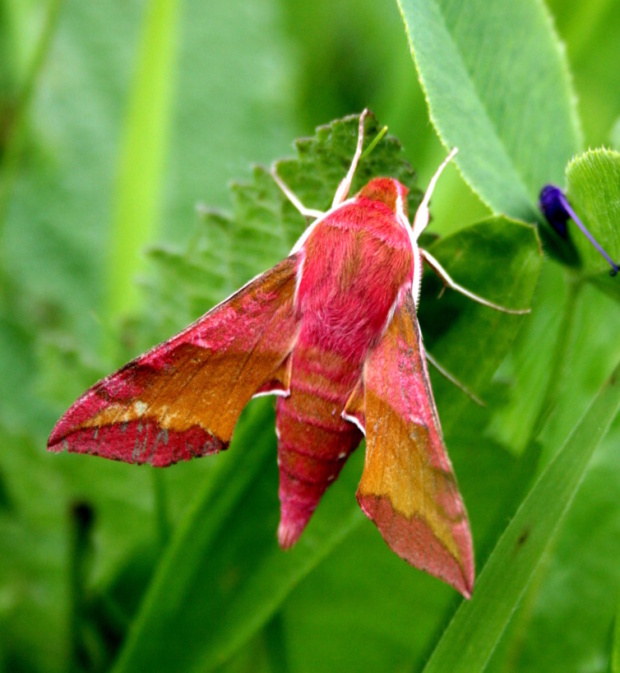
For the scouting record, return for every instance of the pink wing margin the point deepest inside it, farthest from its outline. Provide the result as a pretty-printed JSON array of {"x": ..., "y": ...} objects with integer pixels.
[
  {"x": 182, "y": 399},
  {"x": 408, "y": 488}
]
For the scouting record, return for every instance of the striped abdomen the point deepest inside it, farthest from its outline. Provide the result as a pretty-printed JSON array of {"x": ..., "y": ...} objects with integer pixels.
[
  {"x": 314, "y": 440},
  {"x": 355, "y": 263}
]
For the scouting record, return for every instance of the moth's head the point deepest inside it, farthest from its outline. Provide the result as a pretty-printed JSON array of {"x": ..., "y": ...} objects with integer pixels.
[{"x": 388, "y": 191}]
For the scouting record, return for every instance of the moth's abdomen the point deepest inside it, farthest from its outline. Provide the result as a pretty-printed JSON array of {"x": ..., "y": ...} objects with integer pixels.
[{"x": 314, "y": 440}]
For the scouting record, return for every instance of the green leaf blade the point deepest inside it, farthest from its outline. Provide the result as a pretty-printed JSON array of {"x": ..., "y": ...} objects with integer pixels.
[
  {"x": 138, "y": 198},
  {"x": 476, "y": 628},
  {"x": 515, "y": 133}
]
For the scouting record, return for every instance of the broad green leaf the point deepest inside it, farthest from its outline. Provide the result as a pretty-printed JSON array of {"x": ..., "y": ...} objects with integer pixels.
[
  {"x": 498, "y": 88},
  {"x": 594, "y": 193},
  {"x": 477, "y": 626}
]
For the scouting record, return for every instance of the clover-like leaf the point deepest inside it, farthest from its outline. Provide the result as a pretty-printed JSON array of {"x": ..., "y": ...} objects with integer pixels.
[
  {"x": 593, "y": 180},
  {"x": 497, "y": 86}
]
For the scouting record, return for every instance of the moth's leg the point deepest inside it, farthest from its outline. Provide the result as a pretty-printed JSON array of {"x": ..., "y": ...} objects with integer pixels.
[
  {"x": 446, "y": 278},
  {"x": 446, "y": 374},
  {"x": 422, "y": 215},
  {"x": 306, "y": 212},
  {"x": 343, "y": 188}
]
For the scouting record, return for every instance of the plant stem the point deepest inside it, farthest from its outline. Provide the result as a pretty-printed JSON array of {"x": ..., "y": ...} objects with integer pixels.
[{"x": 81, "y": 524}]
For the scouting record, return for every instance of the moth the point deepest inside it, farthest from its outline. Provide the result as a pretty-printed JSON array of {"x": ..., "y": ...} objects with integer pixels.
[{"x": 332, "y": 332}]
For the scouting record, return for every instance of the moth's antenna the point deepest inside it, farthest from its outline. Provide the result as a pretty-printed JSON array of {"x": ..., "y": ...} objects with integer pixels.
[{"x": 343, "y": 188}]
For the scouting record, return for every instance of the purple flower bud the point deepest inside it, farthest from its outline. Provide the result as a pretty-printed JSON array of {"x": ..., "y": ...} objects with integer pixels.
[{"x": 556, "y": 208}]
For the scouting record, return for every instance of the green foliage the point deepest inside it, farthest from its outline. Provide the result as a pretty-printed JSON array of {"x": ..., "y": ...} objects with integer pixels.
[
  {"x": 143, "y": 154},
  {"x": 106, "y": 566},
  {"x": 594, "y": 192},
  {"x": 498, "y": 89},
  {"x": 475, "y": 630},
  {"x": 615, "y": 657},
  {"x": 223, "y": 559}
]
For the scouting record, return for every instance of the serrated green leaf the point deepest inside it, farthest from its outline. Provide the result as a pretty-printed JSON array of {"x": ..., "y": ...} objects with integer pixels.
[
  {"x": 594, "y": 193},
  {"x": 478, "y": 625},
  {"x": 497, "y": 87},
  {"x": 324, "y": 161}
]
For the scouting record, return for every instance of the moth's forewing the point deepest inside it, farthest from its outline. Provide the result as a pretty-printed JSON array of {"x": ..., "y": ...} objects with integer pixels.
[{"x": 183, "y": 398}]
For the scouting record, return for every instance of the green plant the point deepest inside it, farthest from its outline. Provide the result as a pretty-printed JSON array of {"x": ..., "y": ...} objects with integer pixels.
[{"x": 111, "y": 567}]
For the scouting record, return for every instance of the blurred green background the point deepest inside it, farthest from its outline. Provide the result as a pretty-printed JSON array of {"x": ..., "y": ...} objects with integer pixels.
[{"x": 116, "y": 121}]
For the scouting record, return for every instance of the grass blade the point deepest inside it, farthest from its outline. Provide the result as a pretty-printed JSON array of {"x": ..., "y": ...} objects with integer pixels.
[
  {"x": 478, "y": 625},
  {"x": 142, "y": 155}
]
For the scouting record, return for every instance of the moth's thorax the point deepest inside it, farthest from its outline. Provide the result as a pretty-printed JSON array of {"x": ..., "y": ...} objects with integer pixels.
[
  {"x": 356, "y": 261},
  {"x": 388, "y": 191}
]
